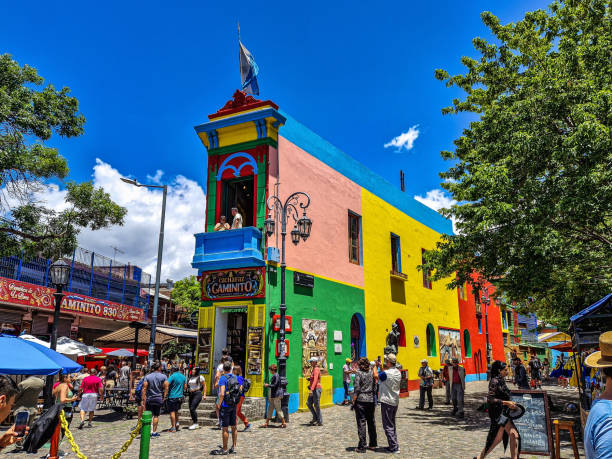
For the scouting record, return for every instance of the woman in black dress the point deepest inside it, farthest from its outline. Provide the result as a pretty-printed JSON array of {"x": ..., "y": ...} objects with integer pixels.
[{"x": 502, "y": 427}]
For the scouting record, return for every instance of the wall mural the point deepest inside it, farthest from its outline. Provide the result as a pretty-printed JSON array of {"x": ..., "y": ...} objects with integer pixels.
[
  {"x": 450, "y": 344},
  {"x": 314, "y": 344}
]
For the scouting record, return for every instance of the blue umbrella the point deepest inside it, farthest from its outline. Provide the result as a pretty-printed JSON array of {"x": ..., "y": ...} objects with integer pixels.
[{"x": 21, "y": 357}]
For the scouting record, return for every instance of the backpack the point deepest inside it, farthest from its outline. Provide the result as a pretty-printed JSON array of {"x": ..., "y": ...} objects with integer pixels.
[
  {"x": 246, "y": 385},
  {"x": 232, "y": 391},
  {"x": 536, "y": 364},
  {"x": 138, "y": 390}
]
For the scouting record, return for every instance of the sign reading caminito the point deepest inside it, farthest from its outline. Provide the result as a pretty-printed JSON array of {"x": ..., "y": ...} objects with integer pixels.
[
  {"x": 36, "y": 296},
  {"x": 233, "y": 284}
]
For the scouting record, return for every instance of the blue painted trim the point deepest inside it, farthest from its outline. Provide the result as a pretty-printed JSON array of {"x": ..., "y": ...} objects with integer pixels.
[
  {"x": 47, "y": 272},
  {"x": 474, "y": 377},
  {"x": 250, "y": 161},
  {"x": 294, "y": 402},
  {"x": 321, "y": 149},
  {"x": 362, "y": 351},
  {"x": 338, "y": 395},
  {"x": 240, "y": 118},
  {"x": 19, "y": 267}
]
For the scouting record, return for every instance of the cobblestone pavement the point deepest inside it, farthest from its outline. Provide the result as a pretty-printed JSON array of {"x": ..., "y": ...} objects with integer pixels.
[{"x": 422, "y": 434}]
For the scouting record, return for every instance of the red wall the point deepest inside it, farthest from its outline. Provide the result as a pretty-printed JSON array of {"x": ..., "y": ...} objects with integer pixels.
[{"x": 469, "y": 321}]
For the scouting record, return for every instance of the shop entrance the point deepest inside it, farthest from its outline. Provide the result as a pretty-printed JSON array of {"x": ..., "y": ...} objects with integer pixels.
[
  {"x": 231, "y": 333},
  {"x": 358, "y": 348},
  {"x": 238, "y": 193}
]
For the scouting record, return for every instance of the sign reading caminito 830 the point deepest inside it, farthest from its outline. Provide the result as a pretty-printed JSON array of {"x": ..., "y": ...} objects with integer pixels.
[{"x": 233, "y": 284}]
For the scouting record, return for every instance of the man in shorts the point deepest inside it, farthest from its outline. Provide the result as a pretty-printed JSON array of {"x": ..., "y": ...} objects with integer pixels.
[
  {"x": 91, "y": 387},
  {"x": 177, "y": 386},
  {"x": 154, "y": 392},
  {"x": 227, "y": 411}
]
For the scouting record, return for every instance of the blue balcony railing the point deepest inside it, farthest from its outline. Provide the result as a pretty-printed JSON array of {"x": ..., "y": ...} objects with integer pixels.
[{"x": 238, "y": 248}]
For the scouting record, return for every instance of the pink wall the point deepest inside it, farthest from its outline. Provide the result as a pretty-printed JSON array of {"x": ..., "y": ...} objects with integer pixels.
[{"x": 332, "y": 196}]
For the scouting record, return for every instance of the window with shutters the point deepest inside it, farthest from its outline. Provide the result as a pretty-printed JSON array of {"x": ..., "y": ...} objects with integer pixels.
[
  {"x": 354, "y": 238},
  {"x": 426, "y": 272}
]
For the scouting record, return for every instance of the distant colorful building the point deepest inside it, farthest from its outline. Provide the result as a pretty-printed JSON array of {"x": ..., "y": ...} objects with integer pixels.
[
  {"x": 483, "y": 321},
  {"x": 346, "y": 285}
]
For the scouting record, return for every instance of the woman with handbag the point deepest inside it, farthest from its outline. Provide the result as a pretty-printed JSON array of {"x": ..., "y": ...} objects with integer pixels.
[
  {"x": 363, "y": 404},
  {"x": 197, "y": 393},
  {"x": 500, "y": 403}
]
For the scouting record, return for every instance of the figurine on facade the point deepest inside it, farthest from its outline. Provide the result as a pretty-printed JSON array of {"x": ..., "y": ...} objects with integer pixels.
[{"x": 393, "y": 339}]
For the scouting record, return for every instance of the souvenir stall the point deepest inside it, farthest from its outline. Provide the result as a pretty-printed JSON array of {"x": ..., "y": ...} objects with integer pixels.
[{"x": 585, "y": 328}]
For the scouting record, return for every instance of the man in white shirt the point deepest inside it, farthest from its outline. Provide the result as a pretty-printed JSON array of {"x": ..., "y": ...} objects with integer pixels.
[
  {"x": 237, "y": 221},
  {"x": 346, "y": 379},
  {"x": 389, "y": 388}
]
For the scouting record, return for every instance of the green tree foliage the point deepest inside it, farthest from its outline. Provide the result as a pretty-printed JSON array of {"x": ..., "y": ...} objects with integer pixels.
[
  {"x": 533, "y": 176},
  {"x": 187, "y": 294},
  {"x": 29, "y": 115}
]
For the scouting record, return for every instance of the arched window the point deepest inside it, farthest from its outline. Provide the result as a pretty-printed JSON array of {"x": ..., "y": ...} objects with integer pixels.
[
  {"x": 467, "y": 344},
  {"x": 402, "y": 330},
  {"x": 431, "y": 341}
]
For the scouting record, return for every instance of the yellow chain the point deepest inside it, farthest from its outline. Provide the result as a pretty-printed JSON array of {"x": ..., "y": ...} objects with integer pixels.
[
  {"x": 69, "y": 436},
  {"x": 75, "y": 447},
  {"x": 129, "y": 441}
]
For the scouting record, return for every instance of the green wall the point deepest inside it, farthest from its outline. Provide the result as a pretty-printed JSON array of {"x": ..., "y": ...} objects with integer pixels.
[{"x": 330, "y": 301}]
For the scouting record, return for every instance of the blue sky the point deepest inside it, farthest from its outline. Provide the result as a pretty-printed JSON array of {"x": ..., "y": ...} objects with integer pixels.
[{"x": 357, "y": 73}]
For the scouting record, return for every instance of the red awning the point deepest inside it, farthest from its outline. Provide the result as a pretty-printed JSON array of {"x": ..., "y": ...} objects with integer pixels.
[{"x": 563, "y": 347}]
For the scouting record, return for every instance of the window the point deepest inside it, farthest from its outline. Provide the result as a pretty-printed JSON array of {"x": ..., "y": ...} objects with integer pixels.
[
  {"x": 431, "y": 340},
  {"x": 402, "y": 330},
  {"x": 426, "y": 272},
  {"x": 396, "y": 256},
  {"x": 467, "y": 343},
  {"x": 462, "y": 291},
  {"x": 354, "y": 238},
  {"x": 479, "y": 325},
  {"x": 504, "y": 320}
]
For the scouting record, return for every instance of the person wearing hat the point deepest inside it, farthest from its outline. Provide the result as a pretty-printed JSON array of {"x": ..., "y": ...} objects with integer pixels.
[
  {"x": 389, "y": 378},
  {"x": 598, "y": 428},
  {"x": 314, "y": 393},
  {"x": 346, "y": 380},
  {"x": 426, "y": 385},
  {"x": 456, "y": 377}
]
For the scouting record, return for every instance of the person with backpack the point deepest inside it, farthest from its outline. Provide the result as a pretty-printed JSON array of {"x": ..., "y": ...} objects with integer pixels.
[
  {"x": 275, "y": 395},
  {"x": 535, "y": 366},
  {"x": 245, "y": 385},
  {"x": 229, "y": 397},
  {"x": 137, "y": 393}
]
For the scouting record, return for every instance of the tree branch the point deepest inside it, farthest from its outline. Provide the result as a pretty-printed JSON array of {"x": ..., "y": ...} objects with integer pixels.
[{"x": 31, "y": 237}]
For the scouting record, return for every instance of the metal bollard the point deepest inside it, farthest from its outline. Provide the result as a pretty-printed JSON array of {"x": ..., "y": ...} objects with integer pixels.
[{"x": 145, "y": 435}]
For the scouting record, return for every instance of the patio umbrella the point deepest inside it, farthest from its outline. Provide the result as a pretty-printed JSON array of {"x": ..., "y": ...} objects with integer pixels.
[
  {"x": 23, "y": 357},
  {"x": 35, "y": 340},
  {"x": 69, "y": 346},
  {"x": 121, "y": 353}
]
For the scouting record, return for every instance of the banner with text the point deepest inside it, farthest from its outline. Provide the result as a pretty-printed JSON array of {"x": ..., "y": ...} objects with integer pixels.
[{"x": 233, "y": 284}]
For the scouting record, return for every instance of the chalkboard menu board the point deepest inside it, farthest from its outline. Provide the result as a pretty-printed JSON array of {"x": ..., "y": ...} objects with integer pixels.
[{"x": 534, "y": 425}]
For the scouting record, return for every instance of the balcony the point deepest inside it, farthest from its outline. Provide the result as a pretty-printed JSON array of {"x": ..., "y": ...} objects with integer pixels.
[{"x": 239, "y": 248}]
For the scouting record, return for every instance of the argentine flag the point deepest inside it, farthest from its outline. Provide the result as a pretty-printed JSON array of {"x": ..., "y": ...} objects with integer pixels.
[{"x": 248, "y": 71}]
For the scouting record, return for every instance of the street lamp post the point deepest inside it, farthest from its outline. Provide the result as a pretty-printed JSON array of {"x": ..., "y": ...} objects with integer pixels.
[
  {"x": 301, "y": 229},
  {"x": 486, "y": 301},
  {"x": 160, "y": 248},
  {"x": 60, "y": 275}
]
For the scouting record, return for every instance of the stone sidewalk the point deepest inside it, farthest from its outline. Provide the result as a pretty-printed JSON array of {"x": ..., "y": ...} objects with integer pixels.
[{"x": 431, "y": 434}]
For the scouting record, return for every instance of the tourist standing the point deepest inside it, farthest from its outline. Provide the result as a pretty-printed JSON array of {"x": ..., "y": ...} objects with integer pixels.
[
  {"x": 237, "y": 220},
  {"x": 197, "y": 393},
  {"x": 238, "y": 372},
  {"x": 456, "y": 375},
  {"x": 598, "y": 428},
  {"x": 535, "y": 367},
  {"x": 91, "y": 387},
  {"x": 154, "y": 392},
  {"x": 363, "y": 404},
  {"x": 177, "y": 385},
  {"x": 447, "y": 383},
  {"x": 314, "y": 393},
  {"x": 426, "y": 385},
  {"x": 520, "y": 375},
  {"x": 346, "y": 380},
  {"x": 229, "y": 395},
  {"x": 502, "y": 427},
  {"x": 27, "y": 398},
  {"x": 136, "y": 395},
  {"x": 275, "y": 396},
  {"x": 389, "y": 386},
  {"x": 545, "y": 369},
  {"x": 124, "y": 375}
]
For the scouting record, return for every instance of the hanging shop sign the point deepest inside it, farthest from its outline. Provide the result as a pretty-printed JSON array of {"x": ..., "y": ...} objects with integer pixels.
[
  {"x": 36, "y": 296},
  {"x": 233, "y": 284}
]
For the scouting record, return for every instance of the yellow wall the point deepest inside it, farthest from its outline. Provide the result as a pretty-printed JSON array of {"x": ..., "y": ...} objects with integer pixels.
[{"x": 387, "y": 299}]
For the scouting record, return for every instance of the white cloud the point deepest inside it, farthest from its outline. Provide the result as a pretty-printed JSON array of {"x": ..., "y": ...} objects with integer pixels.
[
  {"x": 405, "y": 139},
  {"x": 138, "y": 237},
  {"x": 436, "y": 200},
  {"x": 157, "y": 177}
]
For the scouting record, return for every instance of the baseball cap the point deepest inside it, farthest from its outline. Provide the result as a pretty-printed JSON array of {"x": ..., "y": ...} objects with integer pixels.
[{"x": 424, "y": 361}]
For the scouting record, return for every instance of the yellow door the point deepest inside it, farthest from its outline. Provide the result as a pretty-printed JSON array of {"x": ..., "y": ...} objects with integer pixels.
[
  {"x": 204, "y": 348},
  {"x": 255, "y": 348}
]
